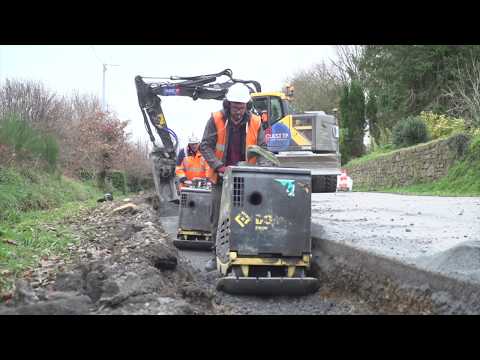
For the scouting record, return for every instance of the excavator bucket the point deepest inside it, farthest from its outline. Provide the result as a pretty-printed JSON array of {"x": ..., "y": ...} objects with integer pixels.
[
  {"x": 164, "y": 176},
  {"x": 268, "y": 285}
]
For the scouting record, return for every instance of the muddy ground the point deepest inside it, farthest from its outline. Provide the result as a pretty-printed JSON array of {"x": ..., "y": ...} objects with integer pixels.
[{"x": 125, "y": 263}]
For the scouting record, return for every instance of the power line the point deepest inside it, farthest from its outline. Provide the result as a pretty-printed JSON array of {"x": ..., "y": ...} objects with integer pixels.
[{"x": 95, "y": 53}]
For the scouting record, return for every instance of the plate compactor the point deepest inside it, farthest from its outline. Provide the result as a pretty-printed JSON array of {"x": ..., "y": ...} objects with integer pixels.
[
  {"x": 263, "y": 242},
  {"x": 194, "y": 223}
]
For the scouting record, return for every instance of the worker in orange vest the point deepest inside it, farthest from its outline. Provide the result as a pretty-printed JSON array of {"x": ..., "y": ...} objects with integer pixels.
[
  {"x": 228, "y": 134},
  {"x": 193, "y": 164}
]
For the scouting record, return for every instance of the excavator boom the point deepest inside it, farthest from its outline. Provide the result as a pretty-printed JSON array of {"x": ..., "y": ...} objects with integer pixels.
[{"x": 149, "y": 99}]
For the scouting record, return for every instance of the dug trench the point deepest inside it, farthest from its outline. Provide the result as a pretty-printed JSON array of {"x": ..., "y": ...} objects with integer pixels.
[
  {"x": 125, "y": 263},
  {"x": 388, "y": 285},
  {"x": 354, "y": 281}
]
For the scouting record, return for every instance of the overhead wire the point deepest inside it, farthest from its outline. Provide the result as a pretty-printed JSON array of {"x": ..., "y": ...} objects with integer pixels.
[{"x": 96, "y": 55}]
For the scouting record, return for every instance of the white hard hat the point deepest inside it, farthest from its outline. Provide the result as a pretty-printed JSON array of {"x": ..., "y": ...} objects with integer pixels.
[
  {"x": 193, "y": 140},
  {"x": 238, "y": 92}
]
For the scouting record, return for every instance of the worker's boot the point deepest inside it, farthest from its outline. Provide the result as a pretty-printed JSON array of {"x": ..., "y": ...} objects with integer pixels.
[{"x": 211, "y": 264}]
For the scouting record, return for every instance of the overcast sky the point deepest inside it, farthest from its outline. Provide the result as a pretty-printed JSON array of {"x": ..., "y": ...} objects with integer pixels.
[{"x": 64, "y": 69}]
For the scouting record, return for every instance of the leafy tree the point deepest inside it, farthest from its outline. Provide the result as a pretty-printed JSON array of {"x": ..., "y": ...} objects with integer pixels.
[
  {"x": 371, "y": 113},
  {"x": 408, "y": 79},
  {"x": 352, "y": 121}
]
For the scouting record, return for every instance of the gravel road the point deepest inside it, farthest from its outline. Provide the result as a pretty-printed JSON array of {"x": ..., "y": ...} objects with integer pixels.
[{"x": 398, "y": 226}]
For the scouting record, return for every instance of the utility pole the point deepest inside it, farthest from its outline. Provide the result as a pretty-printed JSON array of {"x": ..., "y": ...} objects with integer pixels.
[{"x": 104, "y": 103}]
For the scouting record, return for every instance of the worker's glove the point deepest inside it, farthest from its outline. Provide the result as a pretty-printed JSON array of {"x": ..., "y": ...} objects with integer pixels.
[
  {"x": 188, "y": 182},
  {"x": 221, "y": 170}
]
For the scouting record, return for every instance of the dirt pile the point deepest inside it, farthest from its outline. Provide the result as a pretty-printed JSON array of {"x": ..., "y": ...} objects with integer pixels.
[{"x": 462, "y": 261}]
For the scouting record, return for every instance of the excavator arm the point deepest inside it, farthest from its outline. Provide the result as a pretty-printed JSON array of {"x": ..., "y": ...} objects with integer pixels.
[{"x": 149, "y": 99}]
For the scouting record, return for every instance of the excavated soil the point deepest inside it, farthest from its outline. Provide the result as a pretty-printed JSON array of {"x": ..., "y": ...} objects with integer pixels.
[{"x": 124, "y": 263}]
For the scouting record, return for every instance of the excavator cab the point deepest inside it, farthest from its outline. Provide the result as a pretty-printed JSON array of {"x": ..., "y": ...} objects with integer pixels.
[{"x": 274, "y": 106}]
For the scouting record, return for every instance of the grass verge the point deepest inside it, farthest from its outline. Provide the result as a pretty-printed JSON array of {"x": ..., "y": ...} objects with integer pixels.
[
  {"x": 36, "y": 235},
  {"x": 34, "y": 208}
]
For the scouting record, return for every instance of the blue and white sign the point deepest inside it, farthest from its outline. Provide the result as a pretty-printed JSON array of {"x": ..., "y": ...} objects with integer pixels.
[
  {"x": 170, "y": 91},
  {"x": 279, "y": 139}
]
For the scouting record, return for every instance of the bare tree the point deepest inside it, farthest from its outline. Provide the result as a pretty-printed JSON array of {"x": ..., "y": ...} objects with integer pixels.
[
  {"x": 316, "y": 88},
  {"x": 30, "y": 99},
  {"x": 347, "y": 63},
  {"x": 91, "y": 141},
  {"x": 465, "y": 93}
]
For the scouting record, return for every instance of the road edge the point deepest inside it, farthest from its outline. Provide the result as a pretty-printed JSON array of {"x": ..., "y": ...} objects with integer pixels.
[{"x": 388, "y": 284}]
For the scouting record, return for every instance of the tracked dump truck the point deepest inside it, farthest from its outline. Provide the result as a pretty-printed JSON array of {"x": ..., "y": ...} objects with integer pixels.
[
  {"x": 263, "y": 240},
  {"x": 307, "y": 140},
  {"x": 194, "y": 223}
]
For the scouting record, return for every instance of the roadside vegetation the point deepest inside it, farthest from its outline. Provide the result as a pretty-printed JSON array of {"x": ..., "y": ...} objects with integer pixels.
[
  {"x": 462, "y": 179},
  {"x": 389, "y": 97},
  {"x": 58, "y": 155},
  {"x": 30, "y": 237}
]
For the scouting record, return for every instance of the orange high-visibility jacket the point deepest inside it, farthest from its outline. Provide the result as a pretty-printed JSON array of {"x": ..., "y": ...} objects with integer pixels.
[
  {"x": 252, "y": 128},
  {"x": 192, "y": 166}
]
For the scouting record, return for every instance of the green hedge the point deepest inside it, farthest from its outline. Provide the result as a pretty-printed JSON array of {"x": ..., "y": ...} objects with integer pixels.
[
  {"x": 118, "y": 181},
  {"x": 27, "y": 142},
  {"x": 410, "y": 131}
]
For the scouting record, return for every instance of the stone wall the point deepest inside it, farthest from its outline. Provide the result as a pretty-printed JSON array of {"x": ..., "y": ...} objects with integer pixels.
[{"x": 417, "y": 164}]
